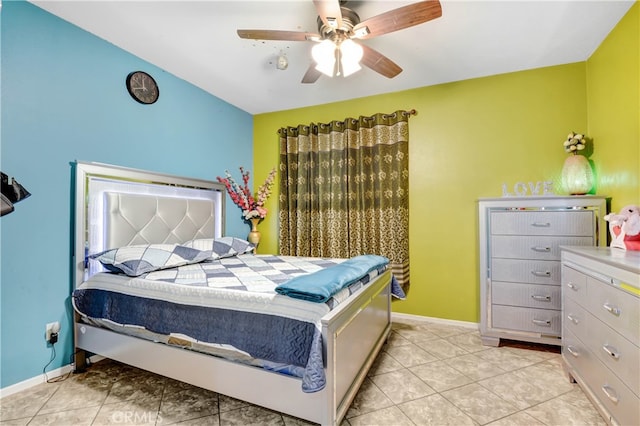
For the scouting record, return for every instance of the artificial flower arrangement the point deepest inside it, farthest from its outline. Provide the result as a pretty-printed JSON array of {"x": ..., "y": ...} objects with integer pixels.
[
  {"x": 575, "y": 142},
  {"x": 252, "y": 206}
]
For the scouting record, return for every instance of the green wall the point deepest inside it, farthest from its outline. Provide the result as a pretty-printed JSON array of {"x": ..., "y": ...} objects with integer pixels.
[
  {"x": 613, "y": 96},
  {"x": 469, "y": 138}
]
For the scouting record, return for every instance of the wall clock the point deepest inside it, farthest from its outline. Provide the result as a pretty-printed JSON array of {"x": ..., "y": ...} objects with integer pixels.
[{"x": 142, "y": 87}]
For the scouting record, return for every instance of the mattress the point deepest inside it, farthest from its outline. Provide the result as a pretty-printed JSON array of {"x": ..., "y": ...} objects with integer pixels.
[{"x": 228, "y": 307}]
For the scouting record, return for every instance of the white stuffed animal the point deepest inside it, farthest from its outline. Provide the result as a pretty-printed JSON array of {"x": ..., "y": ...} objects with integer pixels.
[{"x": 625, "y": 228}]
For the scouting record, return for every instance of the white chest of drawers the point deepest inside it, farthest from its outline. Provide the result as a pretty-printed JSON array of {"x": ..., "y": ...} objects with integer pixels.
[
  {"x": 519, "y": 248},
  {"x": 601, "y": 328}
]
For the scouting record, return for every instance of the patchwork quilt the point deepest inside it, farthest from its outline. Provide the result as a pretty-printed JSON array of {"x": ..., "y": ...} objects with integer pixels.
[{"x": 229, "y": 301}]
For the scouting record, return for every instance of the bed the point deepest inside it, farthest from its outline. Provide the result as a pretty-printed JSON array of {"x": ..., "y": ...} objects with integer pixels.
[{"x": 118, "y": 207}]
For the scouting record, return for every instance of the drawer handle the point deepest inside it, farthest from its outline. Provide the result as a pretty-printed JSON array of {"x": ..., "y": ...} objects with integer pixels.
[
  {"x": 541, "y": 297},
  {"x": 541, "y": 273},
  {"x": 572, "y": 286},
  {"x": 614, "y": 310},
  {"x": 545, "y": 323},
  {"x": 541, "y": 224},
  {"x": 572, "y": 351},
  {"x": 541, "y": 249},
  {"x": 611, "y": 351},
  {"x": 611, "y": 393},
  {"x": 573, "y": 319}
]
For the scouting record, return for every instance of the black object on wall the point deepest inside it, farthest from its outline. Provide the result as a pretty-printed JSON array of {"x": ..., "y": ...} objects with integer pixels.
[{"x": 12, "y": 192}]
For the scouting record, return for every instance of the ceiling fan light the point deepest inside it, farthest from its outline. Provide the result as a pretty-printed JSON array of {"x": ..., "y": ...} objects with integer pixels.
[
  {"x": 350, "y": 56},
  {"x": 349, "y": 67},
  {"x": 324, "y": 54},
  {"x": 326, "y": 68},
  {"x": 351, "y": 51}
]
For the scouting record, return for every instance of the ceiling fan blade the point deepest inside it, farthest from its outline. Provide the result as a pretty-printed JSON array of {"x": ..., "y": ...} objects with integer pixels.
[
  {"x": 278, "y": 35},
  {"x": 398, "y": 19},
  {"x": 379, "y": 63},
  {"x": 329, "y": 11},
  {"x": 312, "y": 74}
]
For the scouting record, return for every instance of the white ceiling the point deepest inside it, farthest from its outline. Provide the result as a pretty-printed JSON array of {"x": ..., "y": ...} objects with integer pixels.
[{"x": 197, "y": 41}]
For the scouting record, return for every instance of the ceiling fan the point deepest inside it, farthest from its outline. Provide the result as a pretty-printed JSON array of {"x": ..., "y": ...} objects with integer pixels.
[{"x": 336, "y": 52}]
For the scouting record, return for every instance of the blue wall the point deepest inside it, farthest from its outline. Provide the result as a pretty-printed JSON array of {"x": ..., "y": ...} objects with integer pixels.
[{"x": 64, "y": 99}]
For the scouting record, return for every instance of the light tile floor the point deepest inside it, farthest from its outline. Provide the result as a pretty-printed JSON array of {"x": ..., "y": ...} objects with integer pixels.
[{"x": 427, "y": 374}]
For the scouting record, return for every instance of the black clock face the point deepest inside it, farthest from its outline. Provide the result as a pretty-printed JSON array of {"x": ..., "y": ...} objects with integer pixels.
[{"x": 142, "y": 87}]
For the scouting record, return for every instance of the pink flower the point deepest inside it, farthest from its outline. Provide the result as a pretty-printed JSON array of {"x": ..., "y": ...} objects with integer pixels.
[
  {"x": 261, "y": 211},
  {"x": 252, "y": 207}
]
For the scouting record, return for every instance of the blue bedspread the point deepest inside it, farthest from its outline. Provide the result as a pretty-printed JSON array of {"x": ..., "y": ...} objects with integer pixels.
[{"x": 319, "y": 286}]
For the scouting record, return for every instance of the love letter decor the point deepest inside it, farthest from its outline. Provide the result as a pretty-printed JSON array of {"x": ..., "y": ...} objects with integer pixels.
[{"x": 521, "y": 189}]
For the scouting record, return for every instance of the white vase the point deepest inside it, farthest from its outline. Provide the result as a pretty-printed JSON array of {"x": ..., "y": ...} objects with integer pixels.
[{"x": 577, "y": 176}]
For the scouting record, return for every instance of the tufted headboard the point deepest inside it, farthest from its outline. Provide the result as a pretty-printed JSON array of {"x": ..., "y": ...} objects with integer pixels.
[
  {"x": 141, "y": 219},
  {"x": 116, "y": 206}
]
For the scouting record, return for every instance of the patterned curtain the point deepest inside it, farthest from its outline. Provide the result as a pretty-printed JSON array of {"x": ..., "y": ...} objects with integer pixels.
[{"x": 344, "y": 189}]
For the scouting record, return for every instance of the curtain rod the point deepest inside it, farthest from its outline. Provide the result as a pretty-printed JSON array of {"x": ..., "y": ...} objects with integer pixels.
[{"x": 407, "y": 113}]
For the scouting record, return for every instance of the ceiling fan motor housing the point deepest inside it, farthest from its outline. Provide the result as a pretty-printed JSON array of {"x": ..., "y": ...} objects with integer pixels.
[{"x": 349, "y": 20}]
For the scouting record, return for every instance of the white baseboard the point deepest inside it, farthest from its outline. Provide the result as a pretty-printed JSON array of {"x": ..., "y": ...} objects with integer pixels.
[
  {"x": 34, "y": 381},
  {"x": 420, "y": 318}
]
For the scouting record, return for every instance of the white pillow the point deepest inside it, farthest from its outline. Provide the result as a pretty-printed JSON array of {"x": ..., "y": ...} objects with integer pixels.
[
  {"x": 221, "y": 247},
  {"x": 140, "y": 259}
]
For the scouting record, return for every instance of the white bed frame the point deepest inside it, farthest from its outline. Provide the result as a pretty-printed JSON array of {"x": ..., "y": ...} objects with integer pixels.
[{"x": 353, "y": 333}]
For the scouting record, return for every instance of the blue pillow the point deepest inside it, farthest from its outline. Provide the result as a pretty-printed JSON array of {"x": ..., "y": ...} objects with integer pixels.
[{"x": 140, "y": 259}]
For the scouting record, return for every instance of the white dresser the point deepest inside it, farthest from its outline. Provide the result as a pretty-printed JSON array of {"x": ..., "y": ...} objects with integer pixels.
[
  {"x": 519, "y": 247},
  {"x": 601, "y": 328}
]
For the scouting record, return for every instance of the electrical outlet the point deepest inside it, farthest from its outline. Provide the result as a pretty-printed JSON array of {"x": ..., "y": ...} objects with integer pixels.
[{"x": 52, "y": 328}]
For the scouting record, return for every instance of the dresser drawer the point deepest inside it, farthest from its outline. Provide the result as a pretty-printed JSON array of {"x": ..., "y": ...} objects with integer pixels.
[
  {"x": 617, "y": 398},
  {"x": 568, "y": 223},
  {"x": 529, "y": 295},
  {"x": 539, "y": 248},
  {"x": 543, "y": 321},
  {"x": 574, "y": 285},
  {"x": 617, "y": 353},
  {"x": 619, "y": 310},
  {"x": 526, "y": 271},
  {"x": 575, "y": 319},
  {"x": 575, "y": 352}
]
